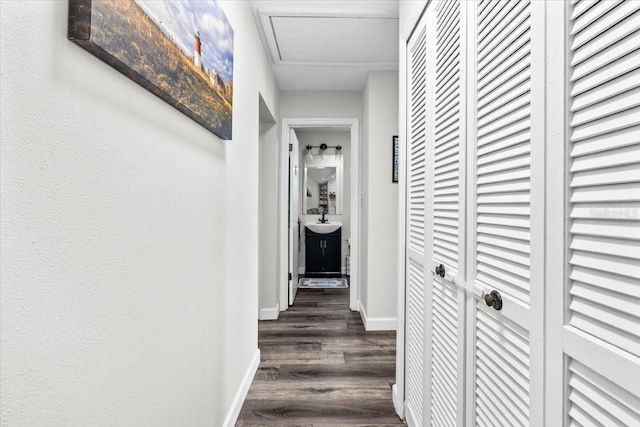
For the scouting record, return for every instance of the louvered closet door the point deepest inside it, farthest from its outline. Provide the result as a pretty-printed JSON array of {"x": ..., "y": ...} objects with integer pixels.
[
  {"x": 601, "y": 337},
  {"x": 446, "y": 301},
  {"x": 415, "y": 263},
  {"x": 503, "y": 206}
]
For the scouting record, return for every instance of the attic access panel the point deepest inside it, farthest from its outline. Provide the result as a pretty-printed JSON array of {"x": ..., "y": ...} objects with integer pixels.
[{"x": 335, "y": 40}]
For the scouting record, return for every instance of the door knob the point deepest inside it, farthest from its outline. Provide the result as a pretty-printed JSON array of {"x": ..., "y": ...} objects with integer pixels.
[
  {"x": 440, "y": 270},
  {"x": 493, "y": 299}
]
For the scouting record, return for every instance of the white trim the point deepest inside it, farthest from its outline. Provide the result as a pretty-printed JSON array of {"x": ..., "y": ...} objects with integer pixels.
[
  {"x": 470, "y": 218},
  {"x": 356, "y": 195},
  {"x": 399, "y": 386},
  {"x": 353, "y": 125},
  {"x": 429, "y": 20},
  {"x": 557, "y": 16},
  {"x": 283, "y": 220},
  {"x": 467, "y": 75},
  {"x": 465, "y": 138},
  {"x": 537, "y": 214},
  {"x": 301, "y": 270},
  {"x": 270, "y": 313},
  {"x": 398, "y": 402},
  {"x": 377, "y": 323},
  {"x": 241, "y": 394},
  {"x": 419, "y": 7},
  {"x": 294, "y": 217},
  {"x": 402, "y": 227}
]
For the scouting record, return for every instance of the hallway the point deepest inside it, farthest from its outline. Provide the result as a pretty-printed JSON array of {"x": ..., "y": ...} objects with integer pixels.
[{"x": 320, "y": 367}]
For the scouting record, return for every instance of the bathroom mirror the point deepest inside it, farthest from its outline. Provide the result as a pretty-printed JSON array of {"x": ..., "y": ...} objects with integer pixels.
[{"x": 322, "y": 189}]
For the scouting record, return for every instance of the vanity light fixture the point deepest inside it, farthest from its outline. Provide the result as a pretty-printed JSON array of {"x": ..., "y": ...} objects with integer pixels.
[{"x": 321, "y": 149}]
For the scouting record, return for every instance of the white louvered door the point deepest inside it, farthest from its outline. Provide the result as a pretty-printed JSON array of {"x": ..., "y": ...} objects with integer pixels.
[
  {"x": 506, "y": 223},
  {"x": 478, "y": 200},
  {"x": 415, "y": 261},
  {"x": 523, "y": 138},
  {"x": 445, "y": 215},
  {"x": 601, "y": 334}
]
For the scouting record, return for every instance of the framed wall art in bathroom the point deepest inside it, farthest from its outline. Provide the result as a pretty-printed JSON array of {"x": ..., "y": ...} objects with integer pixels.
[
  {"x": 180, "y": 51},
  {"x": 396, "y": 159}
]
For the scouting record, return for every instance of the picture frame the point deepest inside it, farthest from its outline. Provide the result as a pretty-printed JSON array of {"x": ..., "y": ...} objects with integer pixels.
[
  {"x": 181, "y": 52},
  {"x": 395, "y": 166}
]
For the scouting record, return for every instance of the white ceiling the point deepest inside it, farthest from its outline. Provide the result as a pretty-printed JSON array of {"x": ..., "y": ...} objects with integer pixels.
[
  {"x": 321, "y": 174},
  {"x": 327, "y": 45}
]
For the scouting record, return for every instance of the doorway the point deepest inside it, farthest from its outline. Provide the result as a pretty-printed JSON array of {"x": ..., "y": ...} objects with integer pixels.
[
  {"x": 288, "y": 221},
  {"x": 268, "y": 279}
]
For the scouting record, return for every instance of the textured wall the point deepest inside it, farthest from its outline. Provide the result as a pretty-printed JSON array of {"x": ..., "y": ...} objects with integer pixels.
[
  {"x": 268, "y": 213},
  {"x": 129, "y": 254},
  {"x": 321, "y": 104},
  {"x": 379, "y": 124}
]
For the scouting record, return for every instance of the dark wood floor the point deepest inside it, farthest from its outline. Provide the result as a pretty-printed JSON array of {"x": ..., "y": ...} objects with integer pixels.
[{"x": 320, "y": 367}]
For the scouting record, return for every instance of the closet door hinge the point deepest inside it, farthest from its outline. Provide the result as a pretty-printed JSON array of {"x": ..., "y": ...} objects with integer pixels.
[
  {"x": 290, "y": 147},
  {"x": 290, "y": 276}
]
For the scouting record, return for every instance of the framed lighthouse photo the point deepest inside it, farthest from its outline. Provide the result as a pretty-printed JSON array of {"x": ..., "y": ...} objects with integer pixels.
[{"x": 180, "y": 51}]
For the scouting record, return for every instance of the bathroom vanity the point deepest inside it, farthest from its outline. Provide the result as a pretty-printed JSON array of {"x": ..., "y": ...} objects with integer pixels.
[{"x": 323, "y": 248}]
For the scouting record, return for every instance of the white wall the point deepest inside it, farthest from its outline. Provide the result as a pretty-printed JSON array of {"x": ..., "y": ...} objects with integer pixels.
[
  {"x": 268, "y": 217},
  {"x": 129, "y": 256},
  {"x": 316, "y": 137},
  {"x": 380, "y": 211},
  {"x": 321, "y": 104}
]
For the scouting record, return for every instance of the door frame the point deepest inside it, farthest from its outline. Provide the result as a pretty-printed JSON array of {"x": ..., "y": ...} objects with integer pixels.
[
  {"x": 352, "y": 125},
  {"x": 398, "y": 390},
  {"x": 294, "y": 202}
]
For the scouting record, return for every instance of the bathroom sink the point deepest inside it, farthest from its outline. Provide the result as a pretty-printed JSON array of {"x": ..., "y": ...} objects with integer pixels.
[{"x": 325, "y": 228}]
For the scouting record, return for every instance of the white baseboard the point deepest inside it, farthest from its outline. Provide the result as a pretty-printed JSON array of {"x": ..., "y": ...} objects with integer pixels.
[
  {"x": 397, "y": 403},
  {"x": 269, "y": 313},
  {"x": 241, "y": 394},
  {"x": 377, "y": 323}
]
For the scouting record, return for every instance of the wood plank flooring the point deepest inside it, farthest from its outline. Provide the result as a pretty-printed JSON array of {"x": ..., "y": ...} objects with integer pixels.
[{"x": 320, "y": 367}]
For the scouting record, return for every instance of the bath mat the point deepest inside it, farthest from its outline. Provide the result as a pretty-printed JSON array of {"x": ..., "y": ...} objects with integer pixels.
[{"x": 322, "y": 283}]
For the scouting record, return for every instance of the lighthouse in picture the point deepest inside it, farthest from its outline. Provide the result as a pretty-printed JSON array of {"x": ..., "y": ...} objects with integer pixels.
[{"x": 197, "y": 59}]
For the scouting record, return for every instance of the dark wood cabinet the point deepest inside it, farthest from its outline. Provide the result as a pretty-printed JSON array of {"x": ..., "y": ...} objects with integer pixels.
[{"x": 323, "y": 252}]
